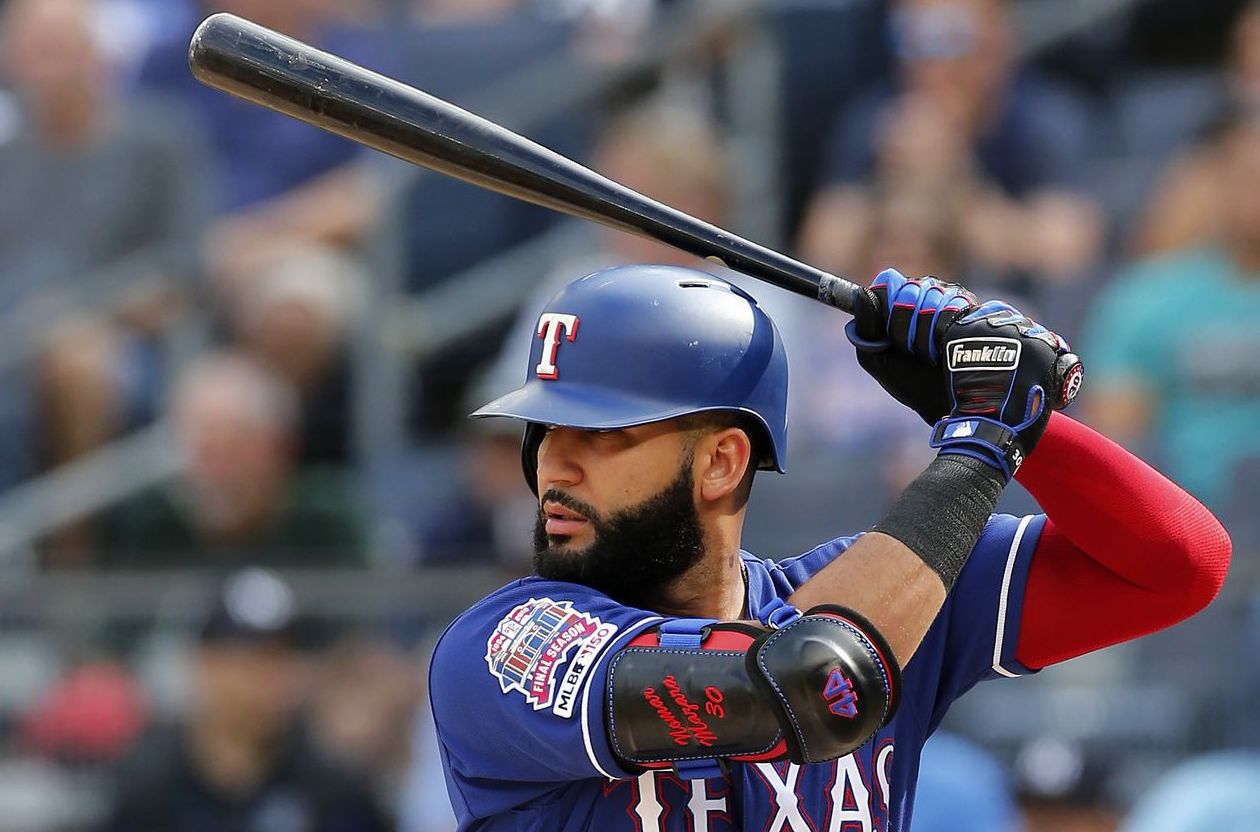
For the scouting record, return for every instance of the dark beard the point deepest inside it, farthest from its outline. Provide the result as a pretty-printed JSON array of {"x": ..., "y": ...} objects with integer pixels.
[{"x": 636, "y": 551}]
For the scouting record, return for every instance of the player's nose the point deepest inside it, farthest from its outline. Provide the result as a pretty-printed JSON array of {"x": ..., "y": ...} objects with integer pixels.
[{"x": 558, "y": 459}]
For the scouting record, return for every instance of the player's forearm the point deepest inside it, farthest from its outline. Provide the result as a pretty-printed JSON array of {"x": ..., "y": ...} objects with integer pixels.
[
  {"x": 898, "y": 575},
  {"x": 884, "y": 580}
]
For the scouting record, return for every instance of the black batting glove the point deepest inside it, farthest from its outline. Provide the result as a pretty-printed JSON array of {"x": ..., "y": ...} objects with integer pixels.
[
  {"x": 985, "y": 375},
  {"x": 1005, "y": 373}
]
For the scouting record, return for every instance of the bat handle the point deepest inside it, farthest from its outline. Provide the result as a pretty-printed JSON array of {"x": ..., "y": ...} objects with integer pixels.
[{"x": 838, "y": 292}]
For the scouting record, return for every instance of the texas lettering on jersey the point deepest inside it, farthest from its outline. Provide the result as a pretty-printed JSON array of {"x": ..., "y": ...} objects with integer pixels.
[{"x": 848, "y": 795}]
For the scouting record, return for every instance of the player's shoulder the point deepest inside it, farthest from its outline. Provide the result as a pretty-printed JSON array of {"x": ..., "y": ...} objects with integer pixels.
[{"x": 535, "y": 643}]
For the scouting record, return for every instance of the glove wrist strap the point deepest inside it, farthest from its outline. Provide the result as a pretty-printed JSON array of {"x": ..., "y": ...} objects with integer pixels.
[{"x": 979, "y": 437}]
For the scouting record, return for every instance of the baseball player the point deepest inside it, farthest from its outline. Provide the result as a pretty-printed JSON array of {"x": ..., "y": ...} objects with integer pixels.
[{"x": 652, "y": 676}]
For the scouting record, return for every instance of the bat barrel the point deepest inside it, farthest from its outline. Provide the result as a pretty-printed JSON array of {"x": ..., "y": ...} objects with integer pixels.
[{"x": 283, "y": 74}]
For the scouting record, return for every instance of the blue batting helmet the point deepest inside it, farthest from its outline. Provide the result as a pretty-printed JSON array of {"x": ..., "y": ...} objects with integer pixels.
[{"x": 637, "y": 344}]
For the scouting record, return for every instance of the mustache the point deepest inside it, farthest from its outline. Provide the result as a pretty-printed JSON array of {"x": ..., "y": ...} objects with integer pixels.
[{"x": 570, "y": 502}]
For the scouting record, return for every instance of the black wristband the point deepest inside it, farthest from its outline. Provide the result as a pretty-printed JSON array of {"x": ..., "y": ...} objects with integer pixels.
[{"x": 940, "y": 515}]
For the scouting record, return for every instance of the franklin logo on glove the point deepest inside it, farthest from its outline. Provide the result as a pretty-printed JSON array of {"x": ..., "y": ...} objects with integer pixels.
[{"x": 984, "y": 354}]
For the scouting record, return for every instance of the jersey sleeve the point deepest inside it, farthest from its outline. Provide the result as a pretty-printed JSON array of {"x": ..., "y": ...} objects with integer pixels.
[
  {"x": 976, "y": 635},
  {"x": 516, "y": 685}
]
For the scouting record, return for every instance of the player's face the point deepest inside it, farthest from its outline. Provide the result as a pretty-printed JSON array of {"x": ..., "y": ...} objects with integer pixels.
[
  {"x": 608, "y": 470},
  {"x": 617, "y": 509}
]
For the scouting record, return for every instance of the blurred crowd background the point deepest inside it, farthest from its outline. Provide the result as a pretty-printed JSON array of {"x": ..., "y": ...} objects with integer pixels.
[{"x": 238, "y": 494}]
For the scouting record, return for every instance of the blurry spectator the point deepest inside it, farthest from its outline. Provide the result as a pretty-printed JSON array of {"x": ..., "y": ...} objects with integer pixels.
[
  {"x": 1185, "y": 208},
  {"x": 425, "y": 804},
  {"x": 486, "y": 511},
  {"x": 1172, "y": 343},
  {"x": 366, "y": 692},
  {"x": 87, "y": 185},
  {"x": 1068, "y": 815},
  {"x": 1244, "y": 75},
  {"x": 668, "y": 149},
  {"x": 1063, "y": 787},
  {"x": 459, "y": 50},
  {"x": 278, "y": 181},
  {"x": 297, "y": 318},
  {"x": 1216, "y": 791},
  {"x": 961, "y": 786},
  {"x": 240, "y": 499},
  {"x": 242, "y": 762},
  {"x": 1005, "y": 150},
  {"x": 828, "y": 52},
  {"x": 92, "y": 715}
]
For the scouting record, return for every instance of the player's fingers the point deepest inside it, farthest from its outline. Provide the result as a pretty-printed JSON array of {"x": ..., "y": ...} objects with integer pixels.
[
  {"x": 887, "y": 285},
  {"x": 901, "y": 320},
  {"x": 923, "y": 336}
]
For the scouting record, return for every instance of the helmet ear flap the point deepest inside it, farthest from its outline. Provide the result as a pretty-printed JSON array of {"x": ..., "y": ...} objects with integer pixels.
[{"x": 534, "y": 433}]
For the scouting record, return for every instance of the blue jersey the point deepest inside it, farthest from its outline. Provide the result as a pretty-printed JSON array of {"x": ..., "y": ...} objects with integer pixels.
[{"x": 518, "y": 692}]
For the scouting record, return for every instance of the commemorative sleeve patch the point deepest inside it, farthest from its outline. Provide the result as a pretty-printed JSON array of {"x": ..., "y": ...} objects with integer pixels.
[{"x": 530, "y": 646}]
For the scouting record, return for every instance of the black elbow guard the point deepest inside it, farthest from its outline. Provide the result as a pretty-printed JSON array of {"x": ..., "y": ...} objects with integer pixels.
[
  {"x": 832, "y": 678},
  {"x": 695, "y": 691}
]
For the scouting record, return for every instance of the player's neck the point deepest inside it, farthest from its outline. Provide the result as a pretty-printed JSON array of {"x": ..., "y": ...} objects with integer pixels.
[{"x": 713, "y": 588}]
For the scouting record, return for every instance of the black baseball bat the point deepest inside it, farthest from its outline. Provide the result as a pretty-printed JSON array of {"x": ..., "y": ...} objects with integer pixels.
[{"x": 283, "y": 74}]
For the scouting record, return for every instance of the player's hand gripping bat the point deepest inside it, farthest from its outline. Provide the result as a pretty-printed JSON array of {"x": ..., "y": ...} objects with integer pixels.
[{"x": 288, "y": 76}]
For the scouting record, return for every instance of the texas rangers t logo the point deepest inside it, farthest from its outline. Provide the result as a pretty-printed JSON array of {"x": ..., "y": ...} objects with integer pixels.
[{"x": 550, "y": 326}]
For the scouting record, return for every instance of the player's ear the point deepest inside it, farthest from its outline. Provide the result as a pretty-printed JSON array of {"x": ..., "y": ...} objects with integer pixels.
[{"x": 723, "y": 458}]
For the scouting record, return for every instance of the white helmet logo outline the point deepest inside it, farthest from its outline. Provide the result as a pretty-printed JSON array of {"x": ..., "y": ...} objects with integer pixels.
[{"x": 550, "y": 325}]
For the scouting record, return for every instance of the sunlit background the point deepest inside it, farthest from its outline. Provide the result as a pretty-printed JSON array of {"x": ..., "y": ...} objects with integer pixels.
[{"x": 231, "y": 342}]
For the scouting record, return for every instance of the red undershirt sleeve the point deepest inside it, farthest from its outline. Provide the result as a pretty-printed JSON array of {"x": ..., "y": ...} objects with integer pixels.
[{"x": 1125, "y": 551}]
